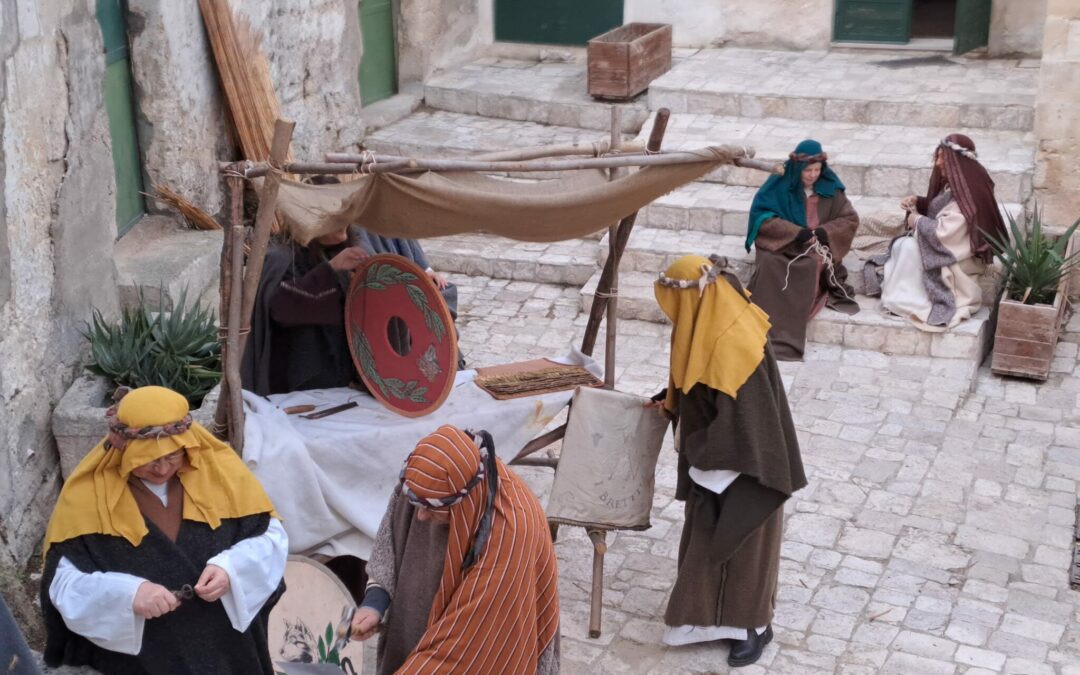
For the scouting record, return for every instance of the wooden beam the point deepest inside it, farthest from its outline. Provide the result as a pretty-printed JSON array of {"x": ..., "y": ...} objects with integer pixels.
[
  {"x": 540, "y": 442},
  {"x": 264, "y": 220},
  {"x": 603, "y": 288}
]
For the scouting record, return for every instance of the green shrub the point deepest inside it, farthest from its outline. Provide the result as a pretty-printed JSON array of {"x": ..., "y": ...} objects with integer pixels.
[
  {"x": 1033, "y": 262},
  {"x": 178, "y": 350}
]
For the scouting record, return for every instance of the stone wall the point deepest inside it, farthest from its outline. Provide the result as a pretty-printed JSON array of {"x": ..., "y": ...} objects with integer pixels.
[
  {"x": 182, "y": 125},
  {"x": 1016, "y": 28},
  {"x": 1057, "y": 115},
  {"x": 57, "y": 217},
  {"x": 314, "y": 51},
  {"x": 434, "y": 34}
]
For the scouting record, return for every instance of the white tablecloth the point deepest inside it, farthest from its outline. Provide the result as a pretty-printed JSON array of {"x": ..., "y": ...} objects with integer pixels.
[{"x": 330, "y": 478}]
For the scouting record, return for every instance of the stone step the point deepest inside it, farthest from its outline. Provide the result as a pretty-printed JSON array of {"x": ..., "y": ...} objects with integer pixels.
[
  {"x": 531, "y": 91},
  {"x": 570, "y": 263},
  {"x": 438, "y": 133},
  {"x": 163, "y": 259},
  {"x": 858, "y": 87},
  {"x": 869, "y": 329},
  {"x": 872, "y": 160},
  {"x": 718, "y": 208}
]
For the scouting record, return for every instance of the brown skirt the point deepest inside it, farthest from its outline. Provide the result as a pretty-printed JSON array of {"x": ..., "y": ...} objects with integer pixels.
[
  {"x": 739, "y": 592},
  {"x": 807, "y": 292}
]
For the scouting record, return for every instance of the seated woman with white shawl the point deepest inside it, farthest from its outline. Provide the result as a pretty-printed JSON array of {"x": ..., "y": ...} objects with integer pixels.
[{"x": 932, "y": 275}]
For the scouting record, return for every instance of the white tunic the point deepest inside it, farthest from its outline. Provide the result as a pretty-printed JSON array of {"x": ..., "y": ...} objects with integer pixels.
[{"x": 99, "y": 605}]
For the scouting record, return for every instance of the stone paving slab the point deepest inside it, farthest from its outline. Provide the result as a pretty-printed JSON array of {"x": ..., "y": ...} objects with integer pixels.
[
  {"x": 934, "y": 536},
  {"x": 872, "y": 160},
  {"x": 531, "y": 91},
  {"x": 869, "y": 329},
  {"x": 852, "y": 86}
]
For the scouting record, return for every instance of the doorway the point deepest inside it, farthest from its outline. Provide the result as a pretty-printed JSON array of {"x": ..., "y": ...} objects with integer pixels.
[
  {"x": 378, "y": 64},
  {"x": 965, "y": 22},
  {"x": 556, "y": 22},
  {"x": 933, "y": 19}
]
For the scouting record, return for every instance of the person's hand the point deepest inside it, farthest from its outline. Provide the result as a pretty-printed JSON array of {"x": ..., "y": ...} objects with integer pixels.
[
  {"x": 908, "y": 203},
  {"x": 365, "y": 623},
  {"x": 438, "y": 279},
  {"x": 153, "y": 600},
  {"x": 822, "y": 236},
  {"x": 653, "y": 405},
  {"x": 804, "y": 235},
  {"x": 911, "y": 220},
  {"x": 349, "y": 259},
  {"x": 213, "y": 583}
]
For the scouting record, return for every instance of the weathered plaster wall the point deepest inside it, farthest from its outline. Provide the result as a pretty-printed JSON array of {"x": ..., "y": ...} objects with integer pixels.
[
  {"x": 1016, "y": 28},
  {"x": 693, "y": 23},
  {"x": 434, "y": 34},
  {"x": 58, "y": 220},
  {"x": 314, "y": 51},
  {"x": 181, "y": 117},
  {"x": 1057, "y": 115}
]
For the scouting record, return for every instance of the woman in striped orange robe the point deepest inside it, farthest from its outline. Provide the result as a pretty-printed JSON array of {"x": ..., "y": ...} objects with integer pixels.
[{"x": 463, "y": 575}]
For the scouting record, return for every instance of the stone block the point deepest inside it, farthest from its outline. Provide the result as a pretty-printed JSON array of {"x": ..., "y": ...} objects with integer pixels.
[{"x": 78, "y": 421}]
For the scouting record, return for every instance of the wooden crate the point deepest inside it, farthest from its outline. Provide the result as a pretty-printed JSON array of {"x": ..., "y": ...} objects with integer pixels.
[
  {"x": 1026, "y": 335},
  {"x": 623, "y": 61}
]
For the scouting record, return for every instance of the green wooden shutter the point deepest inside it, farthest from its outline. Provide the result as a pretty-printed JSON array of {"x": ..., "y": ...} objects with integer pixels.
[
  {"x": 120, "y": 107},
  {"x": 972, "y": 25},
  {"x": 872, "y": 21},
  {"x": 559, "y": 22},
  {"x": 378, "y": 65}
]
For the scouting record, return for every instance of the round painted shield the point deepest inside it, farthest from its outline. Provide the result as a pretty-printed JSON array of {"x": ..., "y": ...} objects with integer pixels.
[
  {"x": 304, "y": 622},
  {"x": 401, "y": 335}
]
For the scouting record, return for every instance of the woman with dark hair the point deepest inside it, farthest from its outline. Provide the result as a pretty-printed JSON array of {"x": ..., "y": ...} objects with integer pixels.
[
  {"x": 801, "y": 225},
  {"x": 932, "y": 275}
]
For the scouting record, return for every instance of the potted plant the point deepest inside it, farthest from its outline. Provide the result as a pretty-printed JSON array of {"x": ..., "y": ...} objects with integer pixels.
[
  {"x": 177, "y": 349},
  {"x": 1035, "y": 276}
]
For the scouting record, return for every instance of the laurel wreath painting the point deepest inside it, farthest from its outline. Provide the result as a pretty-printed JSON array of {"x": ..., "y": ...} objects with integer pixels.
[{"x": 379, "y": 278}]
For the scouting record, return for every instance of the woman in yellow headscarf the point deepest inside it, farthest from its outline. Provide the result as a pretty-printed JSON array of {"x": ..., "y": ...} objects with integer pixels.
[
  {"x": 738, "y": 459},
  {"x": 163, "y": 553}
]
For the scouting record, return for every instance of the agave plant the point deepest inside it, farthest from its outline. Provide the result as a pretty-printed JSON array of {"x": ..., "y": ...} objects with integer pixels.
[
  {"x": 178, "y": 350},
  {"x": 1034, "y": 263}
]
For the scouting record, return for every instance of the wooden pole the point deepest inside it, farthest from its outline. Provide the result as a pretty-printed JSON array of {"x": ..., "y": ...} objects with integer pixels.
[
  {"x": 232, "y": 341},
  {"x": 603, "y": 288},
  {"x": 395, "y": 164},
  {"x": 594, "y": 149},
  {"x": 264, "y": 220},
  {"x": 596, "y": 598},
  {"x": 236, "y": 197},
  {"x": 539, "y": 443},
  {"x": 613, "y": 286}
]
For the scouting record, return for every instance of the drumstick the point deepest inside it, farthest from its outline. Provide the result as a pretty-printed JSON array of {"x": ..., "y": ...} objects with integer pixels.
[{"x": 297, "y": 409}]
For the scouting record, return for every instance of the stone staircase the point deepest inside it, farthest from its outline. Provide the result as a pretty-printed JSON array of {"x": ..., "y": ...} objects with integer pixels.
[{"x": 878, "y": 114}]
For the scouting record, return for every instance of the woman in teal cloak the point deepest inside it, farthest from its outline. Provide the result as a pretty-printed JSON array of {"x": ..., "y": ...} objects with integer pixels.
[{"x": 801, "y": 225}]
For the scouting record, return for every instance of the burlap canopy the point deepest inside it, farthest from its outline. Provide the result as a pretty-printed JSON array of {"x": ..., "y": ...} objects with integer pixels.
[{"x": 437, "y": 204}]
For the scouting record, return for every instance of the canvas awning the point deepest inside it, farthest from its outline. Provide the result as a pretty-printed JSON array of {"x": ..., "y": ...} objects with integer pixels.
[{"x": 417, "y": 206}]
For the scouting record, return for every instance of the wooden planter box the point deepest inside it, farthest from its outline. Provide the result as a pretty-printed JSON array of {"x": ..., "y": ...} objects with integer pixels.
[
  {"x": 623, "y": 61},
  {"x": 1026, "y": 335}
]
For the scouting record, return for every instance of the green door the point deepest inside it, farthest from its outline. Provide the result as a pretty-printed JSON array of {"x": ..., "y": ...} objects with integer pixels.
[
  {"x": 557, "y": 22},
  {"x": 378, "y": 65},
  {"x": 872, "y": 21},
  {"x": 972, "y": 25},
  {"x": 119, "y": 105}
]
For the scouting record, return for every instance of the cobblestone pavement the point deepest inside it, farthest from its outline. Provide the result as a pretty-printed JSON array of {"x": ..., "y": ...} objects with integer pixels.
[{"x": 935, "y": 535}]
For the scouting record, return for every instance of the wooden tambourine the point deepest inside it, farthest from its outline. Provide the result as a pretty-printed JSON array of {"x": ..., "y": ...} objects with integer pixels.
[
  {"x": 303, "y": 622},
  {"x": 401, "y": 335}
]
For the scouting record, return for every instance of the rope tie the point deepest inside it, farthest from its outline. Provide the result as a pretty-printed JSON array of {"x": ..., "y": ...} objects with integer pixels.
[
  {"x": 826, "y": 257},
  {"x": 613, "y": 293}
]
